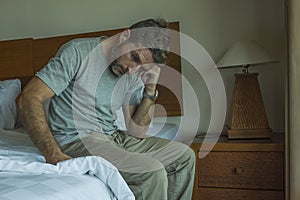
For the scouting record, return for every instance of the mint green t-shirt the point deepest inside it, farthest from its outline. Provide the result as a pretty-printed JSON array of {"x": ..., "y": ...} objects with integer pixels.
[{"x": 87, "y": 94}]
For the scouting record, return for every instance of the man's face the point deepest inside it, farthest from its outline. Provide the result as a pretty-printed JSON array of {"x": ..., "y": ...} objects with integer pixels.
[{"x": 130, "y": 60}]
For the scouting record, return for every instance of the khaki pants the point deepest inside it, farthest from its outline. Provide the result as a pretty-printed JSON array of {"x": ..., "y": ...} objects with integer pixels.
[{"x": 154, "y": 168}]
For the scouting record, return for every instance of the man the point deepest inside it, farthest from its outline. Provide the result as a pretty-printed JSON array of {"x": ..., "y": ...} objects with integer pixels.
[{"x": 86, "y": 82}]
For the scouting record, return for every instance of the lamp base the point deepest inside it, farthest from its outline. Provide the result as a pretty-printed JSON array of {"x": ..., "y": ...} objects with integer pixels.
[
  {"x": 249, "y": 134},
  {"x": 248, "y": 117}
]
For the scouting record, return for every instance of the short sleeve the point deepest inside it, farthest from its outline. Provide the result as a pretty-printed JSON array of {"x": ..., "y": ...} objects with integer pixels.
[{"x": 61, "y": 69}]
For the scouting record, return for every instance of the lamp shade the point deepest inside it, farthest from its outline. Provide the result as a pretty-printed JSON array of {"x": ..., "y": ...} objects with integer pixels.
[{"x": 245, "y": 53}]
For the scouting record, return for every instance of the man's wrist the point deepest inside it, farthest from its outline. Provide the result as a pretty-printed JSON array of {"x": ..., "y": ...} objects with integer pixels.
[
  {"x": 152, "y": 96},
  {"x": 150, "y": 89}
]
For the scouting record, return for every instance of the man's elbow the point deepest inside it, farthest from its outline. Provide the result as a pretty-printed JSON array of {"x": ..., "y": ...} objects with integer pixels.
[
  {"x": 19, "y": 101},
  {"x": 23, "y": 100}
]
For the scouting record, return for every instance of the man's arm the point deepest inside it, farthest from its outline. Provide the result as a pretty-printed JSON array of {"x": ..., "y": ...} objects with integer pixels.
[
  {"x": 138, "y": 118},
  {"x": 35, "y": 122}
]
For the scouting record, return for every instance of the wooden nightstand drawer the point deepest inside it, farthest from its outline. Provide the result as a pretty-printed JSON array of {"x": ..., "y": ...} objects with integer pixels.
[
  {"x": 250, "y": 170},
  {"x": 238, "y": 194}
]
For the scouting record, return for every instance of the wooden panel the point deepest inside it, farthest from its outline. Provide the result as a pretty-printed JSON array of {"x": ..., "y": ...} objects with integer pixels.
[
  {"x": 16, "y": 58},
  {"x": 233, "y": 194},
  {"x": 171, "y": 103},
  {"x": 252, "y": 170},
  {"x": 276, "y": 143},
  {"x": 46, "y": 48}
]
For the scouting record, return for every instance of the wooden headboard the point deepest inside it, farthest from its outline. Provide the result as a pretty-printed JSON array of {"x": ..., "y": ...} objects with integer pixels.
[{"x": 22, "y": 58}]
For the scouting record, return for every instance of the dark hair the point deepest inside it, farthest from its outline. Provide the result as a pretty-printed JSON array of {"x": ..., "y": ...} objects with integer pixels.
[{"x": 155, "y": 38}]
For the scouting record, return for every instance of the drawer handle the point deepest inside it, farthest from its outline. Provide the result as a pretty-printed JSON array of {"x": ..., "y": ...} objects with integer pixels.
[{"x": 238, "y": 171}]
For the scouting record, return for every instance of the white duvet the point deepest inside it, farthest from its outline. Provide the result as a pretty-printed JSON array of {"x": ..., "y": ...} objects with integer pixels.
[{"x": 19, "y": 158}]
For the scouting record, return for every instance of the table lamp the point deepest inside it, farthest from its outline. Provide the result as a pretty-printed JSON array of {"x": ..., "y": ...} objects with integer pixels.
[{"x": 248, "y": 119}]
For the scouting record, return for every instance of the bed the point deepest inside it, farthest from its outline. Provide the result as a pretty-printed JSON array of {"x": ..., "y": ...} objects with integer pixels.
[{"x": 23, "y": 171}]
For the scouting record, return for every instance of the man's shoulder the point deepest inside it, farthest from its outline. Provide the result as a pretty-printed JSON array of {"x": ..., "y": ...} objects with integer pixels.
[
  {"x": 87, "y": 39},
  {"x": 84, "y": 41},
  {"x": 80, "y": 45}
]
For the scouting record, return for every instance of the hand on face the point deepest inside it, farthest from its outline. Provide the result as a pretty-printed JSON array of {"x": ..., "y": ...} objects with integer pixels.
[
  {"x": 131, "y": 58},
  {"x": 149, "y": 74}
]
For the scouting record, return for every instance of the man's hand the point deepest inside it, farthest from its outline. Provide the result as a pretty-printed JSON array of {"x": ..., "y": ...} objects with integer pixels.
[
  {"x": 139, "y": 117},
  {"x": 149, "y": 74},
  {"x": 57, "y": 157}
]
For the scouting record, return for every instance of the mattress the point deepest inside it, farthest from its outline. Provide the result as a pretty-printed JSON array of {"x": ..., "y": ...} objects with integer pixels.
[
  {"x": 17, "y": 186},
  {"x": 25, "y": 175}
]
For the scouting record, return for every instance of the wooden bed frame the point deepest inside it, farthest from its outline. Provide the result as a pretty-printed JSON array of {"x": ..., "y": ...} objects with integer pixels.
[{"x": 22, "y": 58}]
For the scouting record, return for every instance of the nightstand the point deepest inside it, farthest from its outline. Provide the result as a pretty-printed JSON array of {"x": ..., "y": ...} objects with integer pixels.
[{"x": 240, "y": 170}]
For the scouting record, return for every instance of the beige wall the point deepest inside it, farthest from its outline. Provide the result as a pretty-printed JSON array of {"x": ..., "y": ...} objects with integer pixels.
[
  {"x": 215, "y": 24},
  {"x": 294, "y": 120}
]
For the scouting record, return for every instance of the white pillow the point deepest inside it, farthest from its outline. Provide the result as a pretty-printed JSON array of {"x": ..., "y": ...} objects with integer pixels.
[{"x": 9, "y": 90}]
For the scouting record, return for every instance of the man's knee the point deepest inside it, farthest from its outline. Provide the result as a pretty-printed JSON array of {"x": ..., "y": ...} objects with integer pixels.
[
  {"x": 190, "y": 155},
  {"x": 151, "y": 176},
  {"x": 151, "y": 185},
  {"x": 186, "y": 153},
  {"x": 158, "y": 180},
  {"x": 161, "y": 176}
]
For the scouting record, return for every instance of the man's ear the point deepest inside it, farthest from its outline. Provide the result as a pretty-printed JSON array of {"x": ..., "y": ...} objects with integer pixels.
[{"x": 124, "y": 35}]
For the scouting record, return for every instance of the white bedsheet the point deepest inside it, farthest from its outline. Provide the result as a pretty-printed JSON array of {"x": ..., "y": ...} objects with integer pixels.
[
  {"x": 25, "y": 175},
  {"x": 19, "y": 186}
]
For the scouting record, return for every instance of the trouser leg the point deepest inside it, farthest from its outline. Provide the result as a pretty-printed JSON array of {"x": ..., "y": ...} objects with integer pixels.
[
  {"x": 178, "y": 160},
  {"x": 153, "y": 168},
  {"x": 181, "y": 177}
]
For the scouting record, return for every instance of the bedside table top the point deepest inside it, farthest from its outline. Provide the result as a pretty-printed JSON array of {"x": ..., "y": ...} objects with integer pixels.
[{"x": 276, "y": 143}]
